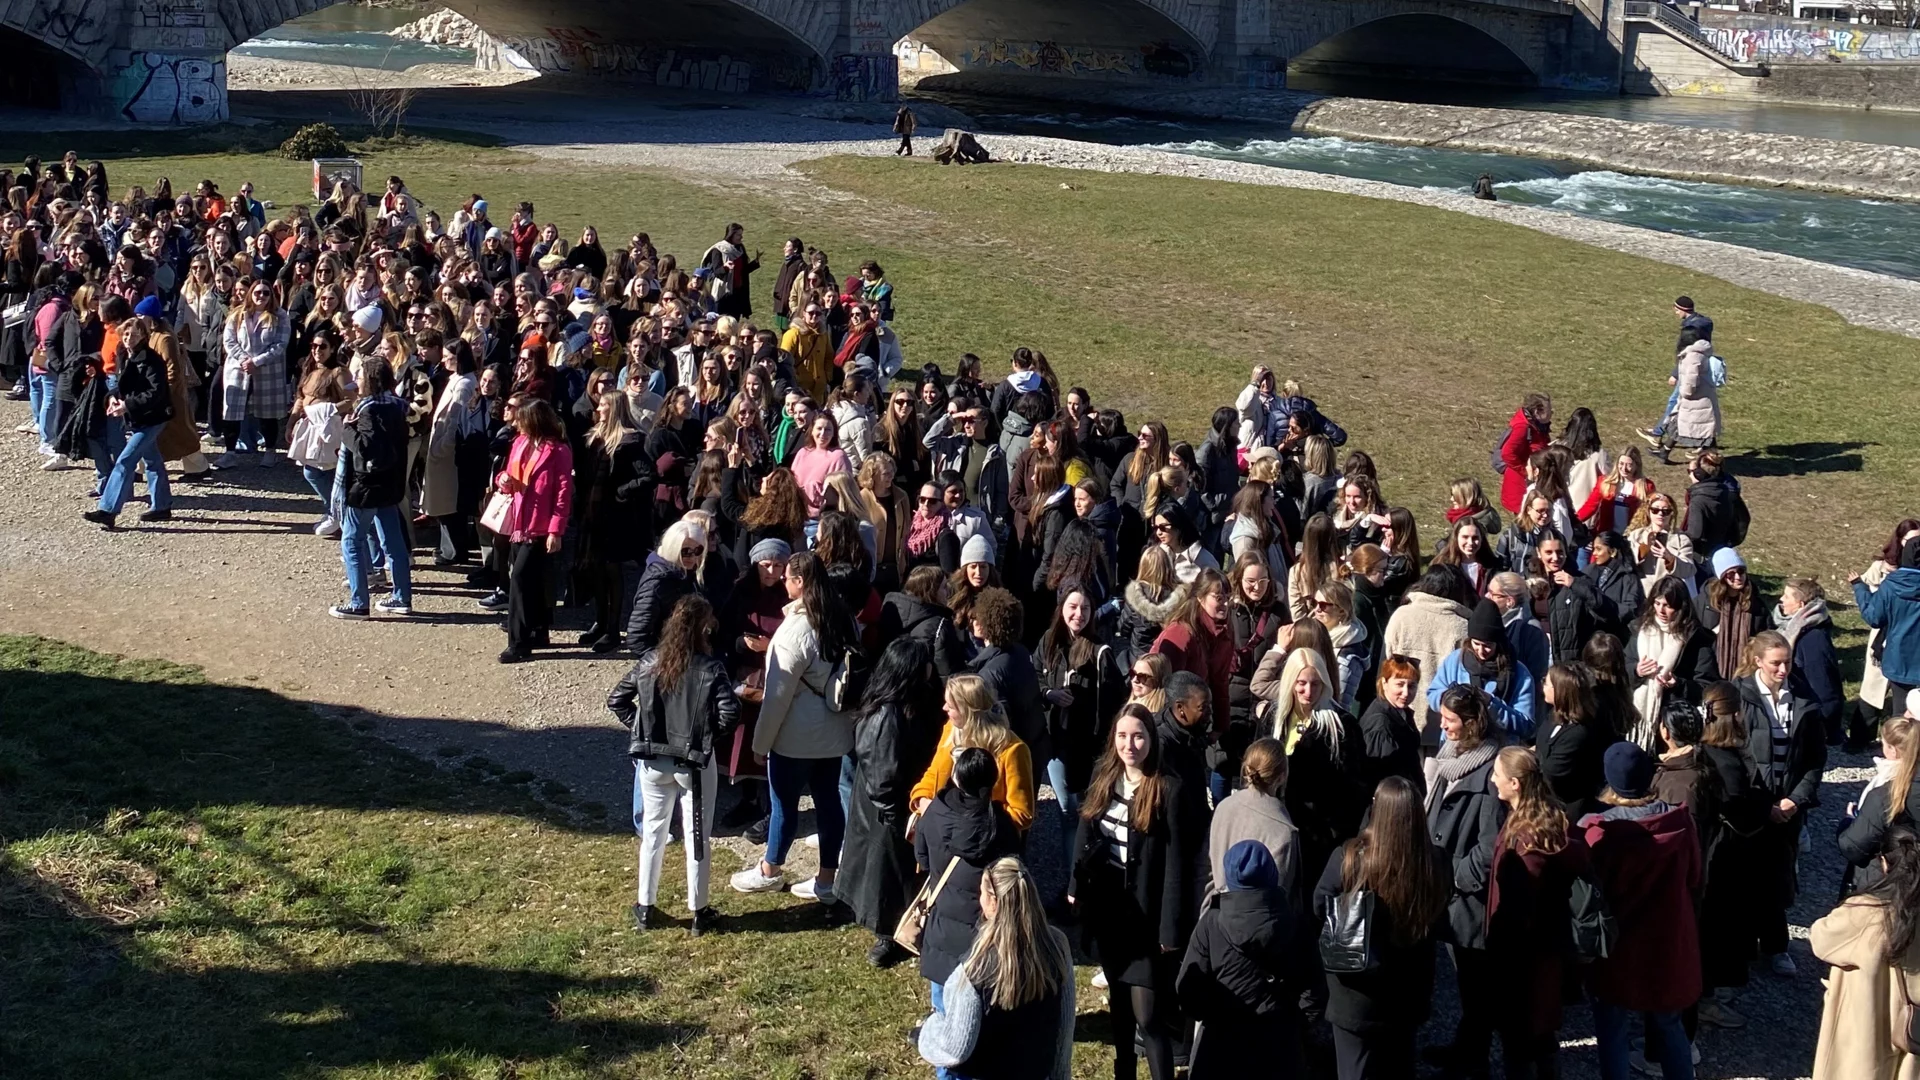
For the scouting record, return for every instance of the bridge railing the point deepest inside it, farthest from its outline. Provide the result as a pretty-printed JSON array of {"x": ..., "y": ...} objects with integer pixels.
[{"x": 1670, "y": 18}]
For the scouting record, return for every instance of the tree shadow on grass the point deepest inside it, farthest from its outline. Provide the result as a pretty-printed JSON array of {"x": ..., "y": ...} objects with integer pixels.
[
  {"x": 83, "y": 998},
  {"x": 1798, "y": 459},
  {"x": 171, "y": 905}
]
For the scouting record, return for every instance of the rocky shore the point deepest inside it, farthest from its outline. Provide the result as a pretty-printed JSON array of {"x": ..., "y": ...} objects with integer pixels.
[{"x": 1868, "y": 170}]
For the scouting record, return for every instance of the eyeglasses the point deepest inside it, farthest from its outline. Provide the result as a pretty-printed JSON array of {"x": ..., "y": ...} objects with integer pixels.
[{"x": 417, "y": 314}]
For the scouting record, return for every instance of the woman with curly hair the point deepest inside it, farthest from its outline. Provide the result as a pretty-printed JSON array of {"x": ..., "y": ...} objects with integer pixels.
[{"x": 779, "y": 512}]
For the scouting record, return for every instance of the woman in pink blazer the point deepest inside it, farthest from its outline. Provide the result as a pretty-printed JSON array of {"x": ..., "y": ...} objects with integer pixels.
[{"x": 539, "y": 477}]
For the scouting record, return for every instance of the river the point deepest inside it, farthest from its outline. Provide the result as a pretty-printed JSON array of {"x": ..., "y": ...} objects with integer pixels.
[{"x": 1863, "y": 233}]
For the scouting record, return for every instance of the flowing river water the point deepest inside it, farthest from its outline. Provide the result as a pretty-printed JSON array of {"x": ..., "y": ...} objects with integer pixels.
[{"x": 1865, "y": 233}]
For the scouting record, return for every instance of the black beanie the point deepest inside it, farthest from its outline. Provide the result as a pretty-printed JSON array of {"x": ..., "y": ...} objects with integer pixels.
[
  {"x": 1485, "y": 624},
  {"x": 1910, "y": 554}
]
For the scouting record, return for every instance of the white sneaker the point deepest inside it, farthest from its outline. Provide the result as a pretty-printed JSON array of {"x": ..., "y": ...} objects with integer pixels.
[
  {"x": 751, "y": 880},
  {"x": 27, "y": 428},
  {"x": 813, "y": 889},
  {"x": 268, "y": 459},
  {"x": 45, "y": 449},
  {"x": 327, "y": 527},
  {"x": 1100, "y": 979},
  {"x": 811, "y": 840},
  {"x": 56, "y": 463},
  {"x": 1782, "y": 965},
  {"x": 228, "y": 460}
]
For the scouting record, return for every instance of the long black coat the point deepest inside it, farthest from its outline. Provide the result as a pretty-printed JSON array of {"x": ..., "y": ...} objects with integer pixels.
[
  {"x": 892, "y": 747},
  {"x": 615, "y": 501},
  {"x": 1133, "y": 914},
  {"x": 1574, "y": 614},
  {"x": 1233, "y": 980},
  {"x": 1397, "y": 995},
  {"x": 1465, "y": 827}
]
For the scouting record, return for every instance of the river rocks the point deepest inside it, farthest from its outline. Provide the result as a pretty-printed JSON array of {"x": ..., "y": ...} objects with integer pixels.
[
  {"x": 1870, "y": 170},
  {"x": 444, "y": 27}
]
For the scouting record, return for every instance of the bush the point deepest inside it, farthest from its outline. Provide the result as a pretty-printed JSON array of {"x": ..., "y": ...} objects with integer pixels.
[{"x": 314, "y": 141}]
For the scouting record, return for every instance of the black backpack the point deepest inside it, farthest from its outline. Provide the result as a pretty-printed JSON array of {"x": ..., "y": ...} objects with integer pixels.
[
  {"x": 1595, "y": 929},
  {"x": 1494, "y": 459}
]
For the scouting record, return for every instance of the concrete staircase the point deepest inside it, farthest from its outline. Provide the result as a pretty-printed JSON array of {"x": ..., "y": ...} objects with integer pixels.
[{"x": 1684, "y": 30}]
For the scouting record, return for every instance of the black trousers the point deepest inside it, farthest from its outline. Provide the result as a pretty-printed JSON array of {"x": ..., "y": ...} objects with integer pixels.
[
  {"x": 529, "y": 597},
  {"x": 1377, "y": 1055},
  {"x": 269, "y": 435}
]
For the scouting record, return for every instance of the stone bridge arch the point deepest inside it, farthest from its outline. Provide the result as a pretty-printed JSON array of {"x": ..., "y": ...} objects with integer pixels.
[
  {"x": 1085, "y": 38},
  {"x": 1515, "y": 42}
]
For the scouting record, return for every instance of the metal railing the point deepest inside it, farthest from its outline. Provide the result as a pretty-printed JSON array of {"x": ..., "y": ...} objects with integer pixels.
[{"x": 1670, "y": 19}]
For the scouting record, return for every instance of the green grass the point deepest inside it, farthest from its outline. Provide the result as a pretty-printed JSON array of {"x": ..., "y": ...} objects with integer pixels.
[{"x": 207, "y": 881}]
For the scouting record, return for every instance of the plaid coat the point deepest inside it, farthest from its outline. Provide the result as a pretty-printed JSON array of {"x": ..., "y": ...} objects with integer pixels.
[{"x": 263, "y": 394}]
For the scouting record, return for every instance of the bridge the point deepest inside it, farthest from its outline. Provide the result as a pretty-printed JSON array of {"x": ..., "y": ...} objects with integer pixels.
[{"x": 164, "y": 61}]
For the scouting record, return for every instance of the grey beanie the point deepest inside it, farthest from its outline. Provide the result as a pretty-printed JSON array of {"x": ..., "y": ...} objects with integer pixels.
[
  {"x": 770, "y": 549},
  {"x": 977, "y": 549}
]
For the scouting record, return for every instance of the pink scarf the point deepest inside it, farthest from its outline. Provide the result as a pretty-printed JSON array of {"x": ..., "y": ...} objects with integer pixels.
[{"x": 923, "y": 530}]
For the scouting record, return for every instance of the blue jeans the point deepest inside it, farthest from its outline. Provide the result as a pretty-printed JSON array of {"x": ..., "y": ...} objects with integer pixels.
[
  {"x": 939, "y": 995},
  {"x": 143, "y": 446},
  {"x": 1666, "y": 1042},
  {"x": 356, "y": 530},
  {"x": 321, "y": 481},
  {"x": 1673, "y": 402},
  {"x": 787, "y": 778},
  {"x": 40, "y": 401}
]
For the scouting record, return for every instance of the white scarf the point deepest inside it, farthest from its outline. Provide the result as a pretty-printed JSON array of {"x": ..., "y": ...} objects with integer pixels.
[{"x": 1661, "y": 643}]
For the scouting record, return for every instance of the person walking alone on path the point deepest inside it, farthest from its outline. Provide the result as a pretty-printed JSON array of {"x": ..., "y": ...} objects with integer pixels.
[{"x": 903, "y": 126}]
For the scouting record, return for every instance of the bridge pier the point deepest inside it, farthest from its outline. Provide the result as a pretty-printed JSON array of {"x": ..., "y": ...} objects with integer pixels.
[{"x": 164, "y": 61}]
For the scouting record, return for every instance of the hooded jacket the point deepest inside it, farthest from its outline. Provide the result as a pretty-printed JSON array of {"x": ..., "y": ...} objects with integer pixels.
[
  {"x": 1651, "y": 872},
  {"x": 1696, "y": 419},
  {"x": 903, "y": 614},
  {"x": 1717, "y": 517},
  {"x": 1142, "y": 617},
  {"x": 975, "y": 832},
  {"x": 1234, "y": 981},
  {"x": 1894, "y": 610}
]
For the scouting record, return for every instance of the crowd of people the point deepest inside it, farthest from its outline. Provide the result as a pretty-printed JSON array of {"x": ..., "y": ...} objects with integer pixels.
[{"x": 1296, "y": 752}]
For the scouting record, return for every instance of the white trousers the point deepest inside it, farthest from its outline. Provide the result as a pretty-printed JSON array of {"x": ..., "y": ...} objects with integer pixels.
[{"x": 659, "y": 785}]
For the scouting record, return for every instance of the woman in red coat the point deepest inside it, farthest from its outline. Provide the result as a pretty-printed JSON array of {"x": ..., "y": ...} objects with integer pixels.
[
  {"x": 1527, "y": 434},
  {"x": 1647, "y": 862},
  {"x": 1535, "y": 859},
  {"x": 1198, "y": 638}
]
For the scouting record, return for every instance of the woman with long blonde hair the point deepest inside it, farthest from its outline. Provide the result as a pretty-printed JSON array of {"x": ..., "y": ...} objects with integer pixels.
[
  {"x": 1008, "y": 1009},
  {"x": 976, "y": 720},
  {"x": 254, "y": 376}
]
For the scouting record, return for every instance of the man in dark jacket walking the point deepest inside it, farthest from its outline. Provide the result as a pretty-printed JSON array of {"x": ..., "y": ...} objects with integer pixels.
[
  {"x": 374, "y": 473},
  {"x": 143, "y": 400}
]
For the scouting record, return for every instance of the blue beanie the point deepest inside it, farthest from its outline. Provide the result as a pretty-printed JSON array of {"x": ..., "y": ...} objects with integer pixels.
[
  {"x": 1249, "y": 865},
  {"x": 150, "y": 308}
]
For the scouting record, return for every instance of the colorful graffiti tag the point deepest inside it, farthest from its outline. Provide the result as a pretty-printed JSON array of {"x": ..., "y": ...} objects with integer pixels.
[
  {"x": 866, "y": 77},
  {"x": 161, "y": 88},
  {"x": 1788, "y": 41}
]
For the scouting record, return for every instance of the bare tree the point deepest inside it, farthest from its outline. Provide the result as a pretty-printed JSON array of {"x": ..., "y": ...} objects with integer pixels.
[{"x": 385, "y": 107}]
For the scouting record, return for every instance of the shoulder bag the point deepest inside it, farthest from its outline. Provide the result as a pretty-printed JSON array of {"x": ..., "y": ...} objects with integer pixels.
[
  {"x": 1906, "y": 1020},
  {"x": 1348, "y": 941},
  {"x": 913, "y": 922}
]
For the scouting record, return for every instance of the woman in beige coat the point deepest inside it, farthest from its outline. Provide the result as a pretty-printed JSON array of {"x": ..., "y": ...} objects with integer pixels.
[
  {"x": 1865, "y": 1014},
  {"x": 1425, "y": 629}
]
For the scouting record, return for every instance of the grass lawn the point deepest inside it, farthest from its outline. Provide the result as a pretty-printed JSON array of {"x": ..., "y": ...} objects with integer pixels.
[{"x": 202, "y": 881}]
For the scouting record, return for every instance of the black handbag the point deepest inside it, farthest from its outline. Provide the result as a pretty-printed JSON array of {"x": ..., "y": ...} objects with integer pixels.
[{"x": 1348, "y": 944}]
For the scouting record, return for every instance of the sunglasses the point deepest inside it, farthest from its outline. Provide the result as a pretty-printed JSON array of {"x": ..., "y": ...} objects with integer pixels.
[
  {"x": 1161, "y": 526},
  {"x": 925, "y": 501},
  {"x": 693, "y": 552},
  {"x": 1140, "y": 676}
]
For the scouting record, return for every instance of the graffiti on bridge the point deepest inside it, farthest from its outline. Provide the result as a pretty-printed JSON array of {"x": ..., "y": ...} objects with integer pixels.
[
  {"x": 161, "y": 88},
  {"x": 1805, "y": 41},
  {"x": 1050, "y": 57},
  {"x": 569, "y": 51},
  {"x": 69, "y": 25},
  {"x": 866, "y": 77}
]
